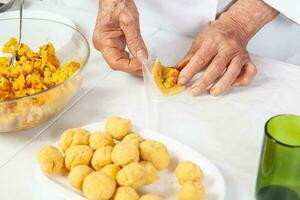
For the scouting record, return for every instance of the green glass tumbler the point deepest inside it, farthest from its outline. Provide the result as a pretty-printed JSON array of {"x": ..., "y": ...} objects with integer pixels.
[{"x": 279, "y": 168}]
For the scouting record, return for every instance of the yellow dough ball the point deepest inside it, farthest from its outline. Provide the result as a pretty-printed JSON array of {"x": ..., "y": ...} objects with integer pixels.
[
  {"x": 78, "y": 174},
  {"x": 51, "y": 160},
  {"x": 99, "y": 139},
  {"x": 98, "y": 186},
  {"x": 72, "y": 137},
  {"x": 150, "y": 197},
  {"x": 188, "y": 171},
  {"x": 102, "y": 157},
  {"x": 133, "y": 137},
  {"x": 191, "y": 191},
  {"x": 78, "y": 155},
  {"x": 111, "y": 170},
  {"x": 125, "y": 153},
  {"x": 132, "y": 175},
  {"x": 126, "y": 193},
  {"x": 155, "y": 152},
  {"x": 118, "y": 127},
  {"x": 151, "y": 172}
]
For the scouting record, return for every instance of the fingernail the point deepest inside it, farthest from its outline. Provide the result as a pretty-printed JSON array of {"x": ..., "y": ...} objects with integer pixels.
[
  {"x": 141, "y": 55},
  {"x": 215, "y": 91},
  {"x": 182, "y": 81},
  {"x": 195, "y": 91}
]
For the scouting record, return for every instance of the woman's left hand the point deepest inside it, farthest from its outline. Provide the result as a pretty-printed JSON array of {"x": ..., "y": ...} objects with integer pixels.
[{"x": 220, "y": 49}]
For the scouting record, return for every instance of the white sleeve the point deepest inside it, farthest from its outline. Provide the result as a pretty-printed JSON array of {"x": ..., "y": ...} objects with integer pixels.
[{"x": 289, "y": 8}]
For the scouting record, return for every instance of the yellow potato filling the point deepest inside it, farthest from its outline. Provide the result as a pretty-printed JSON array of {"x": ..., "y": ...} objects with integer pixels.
[
  {"x": 33, "y": 72},
  {"x": 170, "y": 77}
]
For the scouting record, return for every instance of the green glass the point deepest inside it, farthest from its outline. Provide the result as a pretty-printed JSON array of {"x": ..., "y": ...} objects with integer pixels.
[{"x": 279, "y": 169}]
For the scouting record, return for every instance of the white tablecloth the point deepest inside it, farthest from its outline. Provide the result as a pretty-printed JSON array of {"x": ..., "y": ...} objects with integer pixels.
[{"x": 228, "y": 130}]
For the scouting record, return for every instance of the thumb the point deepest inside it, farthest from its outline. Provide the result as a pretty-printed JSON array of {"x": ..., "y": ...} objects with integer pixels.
[{"x": 135, "y": 43}]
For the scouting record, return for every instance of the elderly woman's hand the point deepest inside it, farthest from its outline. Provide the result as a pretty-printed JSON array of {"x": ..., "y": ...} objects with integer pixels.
[
  {"x": 117, "y": 27},
  {"x": 220, "y": 49}
]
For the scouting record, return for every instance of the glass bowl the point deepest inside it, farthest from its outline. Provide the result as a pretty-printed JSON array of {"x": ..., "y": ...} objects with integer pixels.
[{"x": 70, "y": 44}]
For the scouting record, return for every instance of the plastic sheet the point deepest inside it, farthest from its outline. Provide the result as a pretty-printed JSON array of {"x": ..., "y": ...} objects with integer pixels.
[{"x": 229, "y": 123}]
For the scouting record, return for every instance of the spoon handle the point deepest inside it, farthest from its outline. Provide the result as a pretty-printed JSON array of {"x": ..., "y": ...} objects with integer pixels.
[{"x": 21, "y": 22}]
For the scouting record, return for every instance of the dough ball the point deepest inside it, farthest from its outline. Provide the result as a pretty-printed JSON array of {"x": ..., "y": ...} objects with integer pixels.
[
  {"x": 100, "y": 139},
  {"x": 133, "y": 137},
  {"x": 188, "y": 171},
  {"x": 102, "y": 157},
  {"x": 191, "y": 191},
  {"x": 111, "y": 170},
  {"x": 118, "y": 127},
  {"x": 155, "y": 152},
  {"x": 132, "y": 175},
  {"x": 78, "y": 155},
  {"x": 125, "y": 153},
  {"x": 51, "y": 160},
  {"x": 151, "y": 172},
  {"x": 72, "y": 137},
  {"x": 126, "y": 193},
  {"x": 150, "y": 197},
  {"x": 98, "y": 186},
  {"x": 78, "y": 174}
]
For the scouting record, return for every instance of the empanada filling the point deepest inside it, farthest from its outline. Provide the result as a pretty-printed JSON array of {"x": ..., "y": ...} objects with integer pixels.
[{"x": 169, "y": 77}]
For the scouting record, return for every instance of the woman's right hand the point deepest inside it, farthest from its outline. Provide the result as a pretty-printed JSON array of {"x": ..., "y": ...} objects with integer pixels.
[{"x": 117, "y": 27}]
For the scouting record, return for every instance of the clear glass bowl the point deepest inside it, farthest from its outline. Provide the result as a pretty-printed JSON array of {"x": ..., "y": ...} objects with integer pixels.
[{"x": 70, "y": 44}]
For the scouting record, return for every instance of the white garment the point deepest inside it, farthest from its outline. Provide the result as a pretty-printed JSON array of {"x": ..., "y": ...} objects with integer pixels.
[
  {"x": 278, "y": 40},
  {"x": 187, "y": 16}
]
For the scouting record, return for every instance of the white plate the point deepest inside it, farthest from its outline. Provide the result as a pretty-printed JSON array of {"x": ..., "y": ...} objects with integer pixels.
[
  {"x": 37, "y": 14},
  {"x": 166, "y": 187}
]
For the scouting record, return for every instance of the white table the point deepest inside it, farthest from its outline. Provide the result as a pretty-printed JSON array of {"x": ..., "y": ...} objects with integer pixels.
[{"x": 228, "y": 130}]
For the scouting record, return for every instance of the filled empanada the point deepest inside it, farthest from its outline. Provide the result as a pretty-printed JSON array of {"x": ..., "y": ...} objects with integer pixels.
[{"x": 166, "y": 78}]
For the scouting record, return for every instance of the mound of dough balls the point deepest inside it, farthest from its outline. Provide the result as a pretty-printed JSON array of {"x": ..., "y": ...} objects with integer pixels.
[
  {"x": 78, "y": 155},
  {"x": 98, "y": 186},
  {"x": 126, "y": 193},
  {"x": 150, "y": 197},
  {"x": 125, "y": 153},
  {"x": 78, "y": 174},
  {"x": 111, "y": 165},
  {"x": 51, "y": 160},
  {"x": 191, "y": 190},
  {"x": 118, "y": 127},
  {"x": 156, "y": 153},
  {"x": 100, "y": 139},
  {"x": 72, "y": 137},
  {"x": 132, "y": 175},
  {"x": 102, "y": 157},
  {"x": 188, "y": 171}
]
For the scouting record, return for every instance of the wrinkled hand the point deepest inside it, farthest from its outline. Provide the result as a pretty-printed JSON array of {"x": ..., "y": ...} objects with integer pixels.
[
  {"x": 220, "y": 49},
  {"x": 117, "y": 27},
  {"x": 222, "y": 53}
]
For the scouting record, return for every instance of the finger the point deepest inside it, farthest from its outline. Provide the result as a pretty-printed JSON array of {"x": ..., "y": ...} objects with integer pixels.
[
  {"x": 187, "y": 57},
  {"x": 119, "y": 60},
  {"x": 110, "y": 37},
  {"x": 136, "y": 45},
  {"x": 213, "y": 72},
  {"x": 110, "y": 41},
  {"x": 139, "y": 73},
  {"x": 185, "y": 60},
  {"x": 228, "y": 78},
  {"x": 199, "y": 60},
  {"x": 246, "y": 76}
]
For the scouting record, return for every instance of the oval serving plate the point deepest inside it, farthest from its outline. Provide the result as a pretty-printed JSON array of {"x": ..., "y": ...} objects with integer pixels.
[{"x": 166, "y": 186}]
